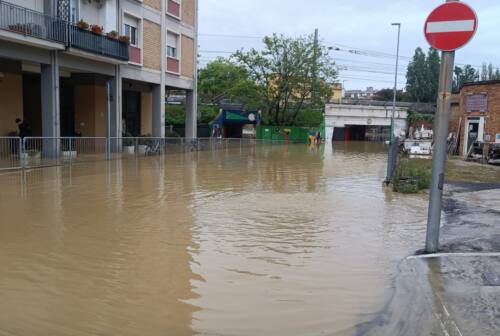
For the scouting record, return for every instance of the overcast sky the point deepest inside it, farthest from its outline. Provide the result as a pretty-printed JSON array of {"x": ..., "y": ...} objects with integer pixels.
[{"x": 350, "y": 24}]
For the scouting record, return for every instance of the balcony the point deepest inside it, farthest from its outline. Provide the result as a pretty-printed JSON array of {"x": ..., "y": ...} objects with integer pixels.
[
  {"x": 97, "y": 44},
  {"x": 27, "y": 22},
  {"x": 31, "y": 23}
]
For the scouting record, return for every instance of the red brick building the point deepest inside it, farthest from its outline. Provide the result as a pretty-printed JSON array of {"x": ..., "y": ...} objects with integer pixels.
[{"x": 476, "y": 114}]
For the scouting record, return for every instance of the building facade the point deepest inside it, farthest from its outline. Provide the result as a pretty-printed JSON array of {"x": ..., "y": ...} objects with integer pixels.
[
  {"x": 96, "y": 67},
  {"x": 367, "y": 94},
  {"x": 476, "y": 114},
  {"x": 345, "y": 122}
]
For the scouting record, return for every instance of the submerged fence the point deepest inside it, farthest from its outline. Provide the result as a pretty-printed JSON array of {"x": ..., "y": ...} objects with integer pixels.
[{"x": 34, "y": 152}]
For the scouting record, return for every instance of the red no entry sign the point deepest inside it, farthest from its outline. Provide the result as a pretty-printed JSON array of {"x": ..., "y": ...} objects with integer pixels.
[{"x": 450, "y": 26}]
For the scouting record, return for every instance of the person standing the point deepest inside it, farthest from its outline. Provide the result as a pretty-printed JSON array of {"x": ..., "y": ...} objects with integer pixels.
[
  {"x": 24, "y": 128},
  {"x": 318, "y": 138}
]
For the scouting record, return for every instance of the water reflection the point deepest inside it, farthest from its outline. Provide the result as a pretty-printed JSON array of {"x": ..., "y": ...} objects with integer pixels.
[
  {"x": 85, "y": 252},
  {"x": 273, "y": 240}
]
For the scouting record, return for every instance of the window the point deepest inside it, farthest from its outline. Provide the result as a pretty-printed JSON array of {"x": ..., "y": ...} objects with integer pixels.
[
  {"x": 74, "y": 10},
  {"x": 131, "y": 32},
  {"x": 130, "y": 29},
  {"x": 171, "y": 52},
  {"x": 172, "y": 45}
]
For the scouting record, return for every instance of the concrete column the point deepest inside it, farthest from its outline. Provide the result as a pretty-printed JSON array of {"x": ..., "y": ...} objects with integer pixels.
[
  {"x": 114, "y": 118},
  {"x": 114, "y": 110},
  {"x": 191, "y": 115},
  {"x": 158, "y": 111},
  {"x": 50, "y": 104},
  {"x": 158, "y": 104}
]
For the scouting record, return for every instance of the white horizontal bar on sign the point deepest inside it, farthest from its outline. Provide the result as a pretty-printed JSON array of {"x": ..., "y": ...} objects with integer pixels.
[{"x": 450, "y": 26}]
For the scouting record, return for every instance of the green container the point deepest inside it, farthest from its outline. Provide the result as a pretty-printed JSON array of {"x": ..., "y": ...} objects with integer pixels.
[{"x": 295, "y": 134}]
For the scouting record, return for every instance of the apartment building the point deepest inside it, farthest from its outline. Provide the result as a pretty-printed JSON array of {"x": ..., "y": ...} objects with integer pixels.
[{"x": 96, "y": 67}]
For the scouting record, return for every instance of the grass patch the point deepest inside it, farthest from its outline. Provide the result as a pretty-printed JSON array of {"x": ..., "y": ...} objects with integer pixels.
[
  {"x": 458, "y": 170},
  {"x": 412, "y": 175}
]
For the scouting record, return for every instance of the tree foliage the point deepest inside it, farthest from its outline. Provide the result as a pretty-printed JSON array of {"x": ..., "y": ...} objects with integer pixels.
[
  {"x": 462, "y": 75},
  {"x": 422, "y": 76},
  {"x": 222, "y": 79},
  {"x": 388, "y": 94},
  {"x": 295, "y": 75},
  {"x": 489, "y": 72}
]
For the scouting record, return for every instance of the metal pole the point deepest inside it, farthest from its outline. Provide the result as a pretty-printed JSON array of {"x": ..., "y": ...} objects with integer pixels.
[
  {"x": 389, "y": 154},
  {"x": 441, "y": 123},
  {"x": 395, "y": 83},
  {"x": 314, "y": 70},
  {"x": 108, "y": 121}
]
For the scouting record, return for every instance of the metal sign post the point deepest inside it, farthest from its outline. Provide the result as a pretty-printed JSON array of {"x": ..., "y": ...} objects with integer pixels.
[
  {"x": 441, "y": 122},
  {"x": 448, "y": 27}
]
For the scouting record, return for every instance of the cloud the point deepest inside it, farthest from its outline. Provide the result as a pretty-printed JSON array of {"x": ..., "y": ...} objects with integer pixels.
[{"x": 363, "y": 24}]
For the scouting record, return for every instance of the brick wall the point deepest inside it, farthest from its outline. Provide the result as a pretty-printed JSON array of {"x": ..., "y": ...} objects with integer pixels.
[
  {"x": 188, "y": 12},
  {"x": 187, "y": 59},
  {"x": 156, "y": 4},
  {"x": 151, "y": 45},
  {"x": 491, "y": 117}
]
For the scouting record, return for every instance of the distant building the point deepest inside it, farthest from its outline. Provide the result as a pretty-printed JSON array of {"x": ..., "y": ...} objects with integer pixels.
[
  {"x": 367, "y": 94},
  {"x": 351, "y": 122},
  {"x": 337, "y": 91},
  {"x": 476, "y": 114},
  {"x": 96, "y": 67}
]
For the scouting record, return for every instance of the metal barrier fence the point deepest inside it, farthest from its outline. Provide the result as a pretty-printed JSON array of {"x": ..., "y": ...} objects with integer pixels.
[
  {"x": 22, "y": 20},
  {"x": 28, "y": 22},
  {"x": 34, "y": 152},
  {"x": 10, "y": 152},
  {"x": 98, "y": 44}
]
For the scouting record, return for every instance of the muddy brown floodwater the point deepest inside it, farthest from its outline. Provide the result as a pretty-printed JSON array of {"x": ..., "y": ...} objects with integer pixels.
[{"x": 282, "y": 240}]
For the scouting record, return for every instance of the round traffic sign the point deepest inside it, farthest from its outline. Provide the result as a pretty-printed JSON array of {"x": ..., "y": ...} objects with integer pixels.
[{"x": 450, "y": 26}]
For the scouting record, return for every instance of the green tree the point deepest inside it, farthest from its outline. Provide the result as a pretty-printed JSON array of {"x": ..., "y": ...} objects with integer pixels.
[
  {"x": 422, "y": 76},
  {"x": 489, "y": 72},
  {"x": 464, "y": 75},
  {"x": 388, "y": 94},
  {"x": 288, "y": 70},
  {"x": 223, "y": 79},
  {"x": 416, "y": 77},
  {"x": 484, "y": 71},
  {"x": 433, "y": 65}
]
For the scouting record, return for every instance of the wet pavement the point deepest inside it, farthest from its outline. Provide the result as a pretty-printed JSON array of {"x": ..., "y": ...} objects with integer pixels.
[
  {"x": 277, "y": 240},
  {"x": 457, "y": 291}
]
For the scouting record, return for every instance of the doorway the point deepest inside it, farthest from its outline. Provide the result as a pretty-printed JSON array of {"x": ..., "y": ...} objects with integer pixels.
[
  {"x": 132, "y": 113},
  {"x": 67, "y": 107},
  {"x": 473, "y": 132}
]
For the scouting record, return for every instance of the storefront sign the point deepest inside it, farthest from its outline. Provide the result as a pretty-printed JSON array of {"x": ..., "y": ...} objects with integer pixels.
[{"x": 476, "y": 103}]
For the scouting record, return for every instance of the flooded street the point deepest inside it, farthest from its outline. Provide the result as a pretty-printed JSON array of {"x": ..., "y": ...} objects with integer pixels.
[{"x": 278, "y": 240}]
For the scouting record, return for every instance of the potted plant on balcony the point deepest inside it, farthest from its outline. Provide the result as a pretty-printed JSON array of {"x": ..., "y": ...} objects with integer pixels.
[
  {"x": 20, "y": 28},
  {"x": 96, "y": 29},
  {"x": 124, "y": 39},
  {"x": 112, "y": 35},
  {"x": 83, "y": 25},
  {"x": 128, "y": 143}
]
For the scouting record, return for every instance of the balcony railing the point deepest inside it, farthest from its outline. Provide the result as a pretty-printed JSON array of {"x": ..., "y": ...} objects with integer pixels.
[
  {"x": 28, "y": 22},
  {"x": 97, "y": 44}
]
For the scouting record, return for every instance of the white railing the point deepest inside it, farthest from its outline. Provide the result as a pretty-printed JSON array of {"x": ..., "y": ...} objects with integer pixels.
[
  {"x": 33, "y": 152},
  {"x": 10, "y": 152}
]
